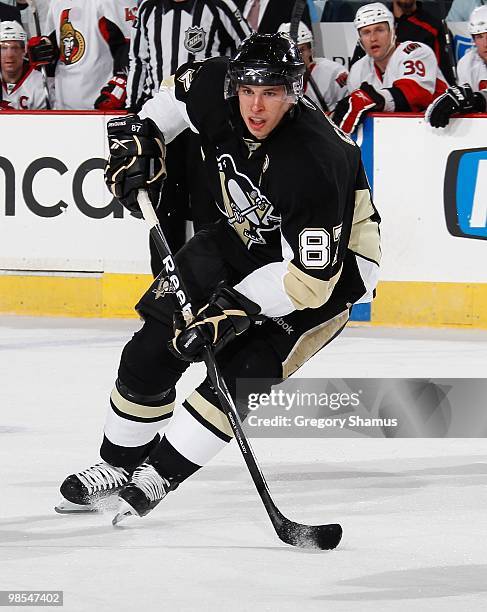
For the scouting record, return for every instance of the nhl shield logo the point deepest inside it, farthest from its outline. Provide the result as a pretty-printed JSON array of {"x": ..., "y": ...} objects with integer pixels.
[{"x": 195, "y": 39}]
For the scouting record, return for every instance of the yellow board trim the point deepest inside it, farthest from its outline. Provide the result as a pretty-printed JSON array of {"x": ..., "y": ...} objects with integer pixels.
[
  {"x": 429, "y": 304},
  {"x": 104, "y": 295}
]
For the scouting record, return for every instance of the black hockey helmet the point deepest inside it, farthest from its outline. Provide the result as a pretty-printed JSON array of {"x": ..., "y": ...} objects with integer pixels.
[{"x": 267, "y": 59}]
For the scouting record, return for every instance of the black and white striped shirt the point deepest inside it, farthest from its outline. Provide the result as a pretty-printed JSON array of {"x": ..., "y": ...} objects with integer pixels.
[{"x": 169, "y": 33}]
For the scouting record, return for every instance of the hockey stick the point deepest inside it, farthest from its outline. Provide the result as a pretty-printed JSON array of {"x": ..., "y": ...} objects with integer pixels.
[
  {"x": 33, "y": 6},
  {"x": 324, "y": 537},
  {"x": 296, "y": 16},
  {"x": 448, "y": 42},
  {"x": 319, "y": 97}
]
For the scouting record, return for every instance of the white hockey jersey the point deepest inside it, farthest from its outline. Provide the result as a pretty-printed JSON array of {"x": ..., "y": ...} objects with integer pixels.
[
  {"x": 27, "y": 94},
  {"x": 331, "y": 80},
  {"x": 472, "y": 69},
  {"x": 83, "y": 29},
  {"x": 412, "y": 69}
]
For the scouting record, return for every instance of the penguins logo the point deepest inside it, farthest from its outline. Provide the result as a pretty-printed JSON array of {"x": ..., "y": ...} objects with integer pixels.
[
  {"x": 163, "y": 288},
  {"x": 72, "y": 43},
  {"x": 248, "y": 211}
]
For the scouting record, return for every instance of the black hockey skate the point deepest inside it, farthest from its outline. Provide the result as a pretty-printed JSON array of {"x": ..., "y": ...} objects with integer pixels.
[
  {"x": 142, "y": 494},
  {"x": 83, "y": 491}
]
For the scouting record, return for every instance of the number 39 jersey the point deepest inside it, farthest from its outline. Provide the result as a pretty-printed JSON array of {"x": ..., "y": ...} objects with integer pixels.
[
  {"x": 412, "y": 77},
  {"x": 298, "y": 224}
]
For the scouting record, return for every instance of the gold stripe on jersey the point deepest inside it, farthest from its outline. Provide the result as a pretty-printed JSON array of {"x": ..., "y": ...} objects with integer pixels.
[
  {"x": 364, "y": 236},
  {"x": 306, "y": 291},
  {"x": 210, "y": 413},
  {"x": 139, "y": 410},
  {"x": 168, "y": 82},
  {"x": 312, "y": 341}
]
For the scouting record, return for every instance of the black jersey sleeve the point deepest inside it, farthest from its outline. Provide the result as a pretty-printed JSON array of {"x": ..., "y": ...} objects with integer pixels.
[{"x": 200, "y": 86}]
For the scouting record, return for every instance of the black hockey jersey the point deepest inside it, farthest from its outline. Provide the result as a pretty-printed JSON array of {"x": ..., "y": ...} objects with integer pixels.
[{"x": 299, "y": 223}]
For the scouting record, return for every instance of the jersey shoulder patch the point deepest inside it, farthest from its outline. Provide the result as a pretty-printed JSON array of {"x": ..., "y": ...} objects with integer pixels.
[{"x": 410, "y": 47}]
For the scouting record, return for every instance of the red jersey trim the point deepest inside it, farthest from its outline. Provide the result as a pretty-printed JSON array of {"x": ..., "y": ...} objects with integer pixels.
[
  {"x": 418, "y": 97},
  {"x": 427, "y": 26}
]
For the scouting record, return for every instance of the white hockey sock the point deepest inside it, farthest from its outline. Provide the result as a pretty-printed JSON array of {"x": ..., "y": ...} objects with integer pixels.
[{"x": 199, "y": 430}]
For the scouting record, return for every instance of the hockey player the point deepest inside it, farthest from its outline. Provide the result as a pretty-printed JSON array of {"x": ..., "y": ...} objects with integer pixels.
[
  {"x": 470, "y": 97},
  {"x": 325, "y": 81},
  {"x": 392, "y": 77},
  {"x": 273, "y": 280},
  {"x": 166, "y": 35},
  {"x": 472, "y": 67},
  {"x": 92, "y": 41},
  {"x": 22, "y": 87}
]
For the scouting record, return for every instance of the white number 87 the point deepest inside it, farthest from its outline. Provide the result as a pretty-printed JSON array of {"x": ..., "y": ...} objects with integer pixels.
[{"x": 314, "y": 247}]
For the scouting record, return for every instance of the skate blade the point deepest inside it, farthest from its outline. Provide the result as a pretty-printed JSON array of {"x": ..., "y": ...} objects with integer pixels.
[
  {"x": 67, "y": 507},
  {"x": 124, "y": 510}
]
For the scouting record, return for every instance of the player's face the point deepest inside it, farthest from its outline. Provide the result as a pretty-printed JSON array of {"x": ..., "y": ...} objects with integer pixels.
[
  {"x": 262, "y": 107},
  {"x": 480, "y": 41},
  {"x": 376, "y": 40},
  {"x": 12, "y": 57}
]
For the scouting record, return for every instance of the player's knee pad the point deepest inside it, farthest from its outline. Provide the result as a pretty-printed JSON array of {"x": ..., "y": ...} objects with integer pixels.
[{"x": 147, "y": 367}]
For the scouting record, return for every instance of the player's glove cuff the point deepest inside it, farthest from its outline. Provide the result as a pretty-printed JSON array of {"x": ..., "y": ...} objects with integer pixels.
[
  {"x": 374, "y": 95},
  {"x": 350, "y": 111},
  {"x": 227, "y": 315}
]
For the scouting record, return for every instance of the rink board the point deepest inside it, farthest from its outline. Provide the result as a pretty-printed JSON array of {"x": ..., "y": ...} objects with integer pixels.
[{"x": 67, "y": 249}]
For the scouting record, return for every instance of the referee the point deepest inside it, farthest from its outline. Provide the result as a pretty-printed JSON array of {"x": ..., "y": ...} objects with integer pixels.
[{"x": 166, "y": 34}]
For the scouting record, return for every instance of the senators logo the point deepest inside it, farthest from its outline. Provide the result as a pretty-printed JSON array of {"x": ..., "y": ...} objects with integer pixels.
[
  {"x": 411, "y": 47},
  {"x": 249, "y": 212},
  {"x": 72, "y": 42}
]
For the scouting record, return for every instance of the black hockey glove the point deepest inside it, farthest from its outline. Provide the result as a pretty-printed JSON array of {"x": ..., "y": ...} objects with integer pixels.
[
  {"x": 350, "y": 111},
  {"x": 136, "y": 161},
  {"x": 40, "y": 51},
  {"x": 228, "y": 314},
  {"x": 456, "y": 99}
]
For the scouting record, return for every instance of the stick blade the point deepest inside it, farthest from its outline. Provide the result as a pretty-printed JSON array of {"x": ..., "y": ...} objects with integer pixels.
[{"x": 323, "y": 537}]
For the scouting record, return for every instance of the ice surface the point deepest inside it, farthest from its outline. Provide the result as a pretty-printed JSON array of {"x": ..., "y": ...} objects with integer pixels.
[{"x": 413, "y": 510}]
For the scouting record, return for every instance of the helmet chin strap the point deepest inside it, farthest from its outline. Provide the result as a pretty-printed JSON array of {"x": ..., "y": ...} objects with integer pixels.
[{"x": 393, "y": 40}]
